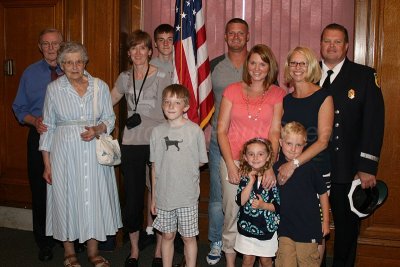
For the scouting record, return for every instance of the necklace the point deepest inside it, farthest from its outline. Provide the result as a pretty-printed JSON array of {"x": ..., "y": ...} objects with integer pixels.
[{"x": 258, "y": 106}]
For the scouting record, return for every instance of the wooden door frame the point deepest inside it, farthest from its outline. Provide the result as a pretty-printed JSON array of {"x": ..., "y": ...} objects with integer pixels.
[
  {"x": 367, "y": 32},
  {"x": 376, "y": 241}
]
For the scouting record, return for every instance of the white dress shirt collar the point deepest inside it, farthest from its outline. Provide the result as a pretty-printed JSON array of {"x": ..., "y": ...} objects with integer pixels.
[{"x": 335, "y": 70}]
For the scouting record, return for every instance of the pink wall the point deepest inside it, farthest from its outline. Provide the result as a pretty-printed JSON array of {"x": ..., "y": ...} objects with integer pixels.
[{"x": 280, "y": 24}]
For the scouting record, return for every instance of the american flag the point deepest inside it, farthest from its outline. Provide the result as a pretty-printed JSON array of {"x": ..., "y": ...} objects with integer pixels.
[{"x": 192, "y": 66}]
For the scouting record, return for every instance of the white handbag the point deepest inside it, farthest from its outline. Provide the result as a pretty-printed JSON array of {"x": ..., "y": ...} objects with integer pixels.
[{"x": 107, "y": 149}]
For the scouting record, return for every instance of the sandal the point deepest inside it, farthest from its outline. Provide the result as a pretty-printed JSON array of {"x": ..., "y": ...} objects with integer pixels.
[
  {"x": 71, "y": 261},
  {"x": 99, "y": 261}
]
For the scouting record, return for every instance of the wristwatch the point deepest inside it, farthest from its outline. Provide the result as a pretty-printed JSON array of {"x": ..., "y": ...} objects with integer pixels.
[{"x": 296, "y": 163}]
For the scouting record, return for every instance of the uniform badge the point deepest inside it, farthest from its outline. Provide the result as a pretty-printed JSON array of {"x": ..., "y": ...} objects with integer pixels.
[
  {"x": 351, "y": 94},
  {"x": 376, "y": 79}
]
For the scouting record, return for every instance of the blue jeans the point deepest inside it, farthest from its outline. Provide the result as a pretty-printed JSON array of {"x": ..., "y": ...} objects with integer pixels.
[{"x": 215, "y": 213}]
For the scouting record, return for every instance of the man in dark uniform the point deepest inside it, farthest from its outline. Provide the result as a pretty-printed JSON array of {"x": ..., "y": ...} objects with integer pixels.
[{"x": 357, "y": 134}]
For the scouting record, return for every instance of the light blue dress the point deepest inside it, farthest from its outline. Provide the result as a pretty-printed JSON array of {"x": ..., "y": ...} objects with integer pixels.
[{"x": 82, "y": 201}]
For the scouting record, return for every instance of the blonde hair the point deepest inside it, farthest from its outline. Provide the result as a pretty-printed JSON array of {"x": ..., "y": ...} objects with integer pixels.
[
  {"x": 244, "y": 167},
  {"x": 294, "y": 127},
  {"x": 313, "y": 68}
]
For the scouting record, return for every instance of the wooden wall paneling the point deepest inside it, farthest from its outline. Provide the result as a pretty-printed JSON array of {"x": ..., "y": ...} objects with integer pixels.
[
  {"x": 137, "y": 14},
  {"x": 130, "y": 19},
  {"x": 203, "y": 203},
  {"x": 377, "y": 41},
  {"x": 19, "y": 43},
  {"x": 101, "y": 39},
  {"x": 74, "y": 20},
  {"x": 3, "y": 108}
]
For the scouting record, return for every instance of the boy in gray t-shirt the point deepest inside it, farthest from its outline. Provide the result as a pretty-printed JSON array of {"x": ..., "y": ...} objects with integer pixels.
[{"x": 177, "y": 150}]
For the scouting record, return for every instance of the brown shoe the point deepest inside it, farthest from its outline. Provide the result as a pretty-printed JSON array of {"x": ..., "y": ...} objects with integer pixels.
[
  {"x": 99, "y": 261},
  {"x": 71, "y": 261}
]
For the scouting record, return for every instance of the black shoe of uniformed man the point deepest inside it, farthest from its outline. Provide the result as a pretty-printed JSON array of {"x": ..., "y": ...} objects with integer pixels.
[{"x": 45, "y": 254}]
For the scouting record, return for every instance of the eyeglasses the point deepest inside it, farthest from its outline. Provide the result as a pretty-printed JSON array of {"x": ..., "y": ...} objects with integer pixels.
[
  {"x": 70, "y": 63},
  {"x": 295, "y": 64},
  {"x": 53, "y": 44}
]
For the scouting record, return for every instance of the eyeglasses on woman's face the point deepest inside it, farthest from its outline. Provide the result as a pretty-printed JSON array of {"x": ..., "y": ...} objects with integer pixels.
[
  {"x": 301, "y": 64},
  {"x": 70, "y": 63}
]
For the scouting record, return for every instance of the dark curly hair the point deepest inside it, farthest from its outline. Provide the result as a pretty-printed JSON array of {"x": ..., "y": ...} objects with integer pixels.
[{"x": 244, "y": 167}]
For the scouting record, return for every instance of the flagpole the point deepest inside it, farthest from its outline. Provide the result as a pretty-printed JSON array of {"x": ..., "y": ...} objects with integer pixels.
[{"x": 181, "y": 44}]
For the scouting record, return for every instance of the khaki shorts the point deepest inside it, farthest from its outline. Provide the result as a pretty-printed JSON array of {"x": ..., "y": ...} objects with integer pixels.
[{"x": 293, "y": 254}]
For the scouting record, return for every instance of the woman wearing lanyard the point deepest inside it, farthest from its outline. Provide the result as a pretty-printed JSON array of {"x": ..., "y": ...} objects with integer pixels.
[{"x": 142, "y": 86}]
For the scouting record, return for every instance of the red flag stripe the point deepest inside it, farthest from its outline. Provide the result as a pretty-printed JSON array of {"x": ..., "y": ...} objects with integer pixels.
[
  {"x": 182, "y": 68},
  {"x": 193, "y": 71}
]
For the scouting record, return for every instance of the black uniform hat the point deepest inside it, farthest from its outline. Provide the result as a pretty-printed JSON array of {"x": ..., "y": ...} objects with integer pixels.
[{"x": 364, "y": 201}]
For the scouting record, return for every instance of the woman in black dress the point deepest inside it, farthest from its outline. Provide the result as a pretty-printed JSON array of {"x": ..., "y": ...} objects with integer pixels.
[{"x": 312, "y": 106}]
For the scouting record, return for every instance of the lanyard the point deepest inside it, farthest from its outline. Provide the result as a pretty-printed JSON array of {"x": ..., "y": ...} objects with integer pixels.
[{"x": 141, "y": 87}]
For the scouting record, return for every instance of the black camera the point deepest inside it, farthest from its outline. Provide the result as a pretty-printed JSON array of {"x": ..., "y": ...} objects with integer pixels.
[{"x": 133, "y": 121}]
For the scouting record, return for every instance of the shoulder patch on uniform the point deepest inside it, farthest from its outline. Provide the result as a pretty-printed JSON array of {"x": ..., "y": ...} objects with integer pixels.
[{"x": 376, "y": 80}]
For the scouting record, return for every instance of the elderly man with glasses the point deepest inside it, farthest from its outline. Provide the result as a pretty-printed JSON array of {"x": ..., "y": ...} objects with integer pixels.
[{"x": 27, "y": 107}]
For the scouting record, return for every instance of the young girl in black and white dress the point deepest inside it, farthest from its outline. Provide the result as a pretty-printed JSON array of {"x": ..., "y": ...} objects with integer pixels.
[{"x": 258, "y": 215}]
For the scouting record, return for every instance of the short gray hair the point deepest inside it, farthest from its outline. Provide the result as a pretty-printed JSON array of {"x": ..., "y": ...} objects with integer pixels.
[
  {"x": 71, "y": 47},
  {"x": 49, "y": 30}
]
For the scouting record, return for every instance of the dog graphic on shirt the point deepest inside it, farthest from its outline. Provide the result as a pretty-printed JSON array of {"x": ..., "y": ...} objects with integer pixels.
[{"x": 172, "y": 143}]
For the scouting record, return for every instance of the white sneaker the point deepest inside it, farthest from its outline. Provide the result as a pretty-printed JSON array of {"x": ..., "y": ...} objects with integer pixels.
[{"x": 215, "y": 253}]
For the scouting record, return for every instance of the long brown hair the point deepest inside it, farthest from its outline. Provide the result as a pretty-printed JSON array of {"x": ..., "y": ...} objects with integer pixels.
[
  {"x": 268, "y": 57},
  {"x": 244, "y": 167}
]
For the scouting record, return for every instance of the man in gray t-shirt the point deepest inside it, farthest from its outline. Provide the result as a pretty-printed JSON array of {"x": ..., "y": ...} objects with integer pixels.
[
  {"x": 225, "y": 69},
  {"x": 164, "y": 43}
]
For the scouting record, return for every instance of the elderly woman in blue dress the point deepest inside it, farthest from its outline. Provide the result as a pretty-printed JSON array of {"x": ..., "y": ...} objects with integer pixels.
[{"x": 82, "y": 197}]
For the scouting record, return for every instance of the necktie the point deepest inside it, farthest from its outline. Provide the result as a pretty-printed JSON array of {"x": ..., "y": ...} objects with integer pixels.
[
  {"x": 53, "y": 74},
  {"x": 327, "y": 81}
]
